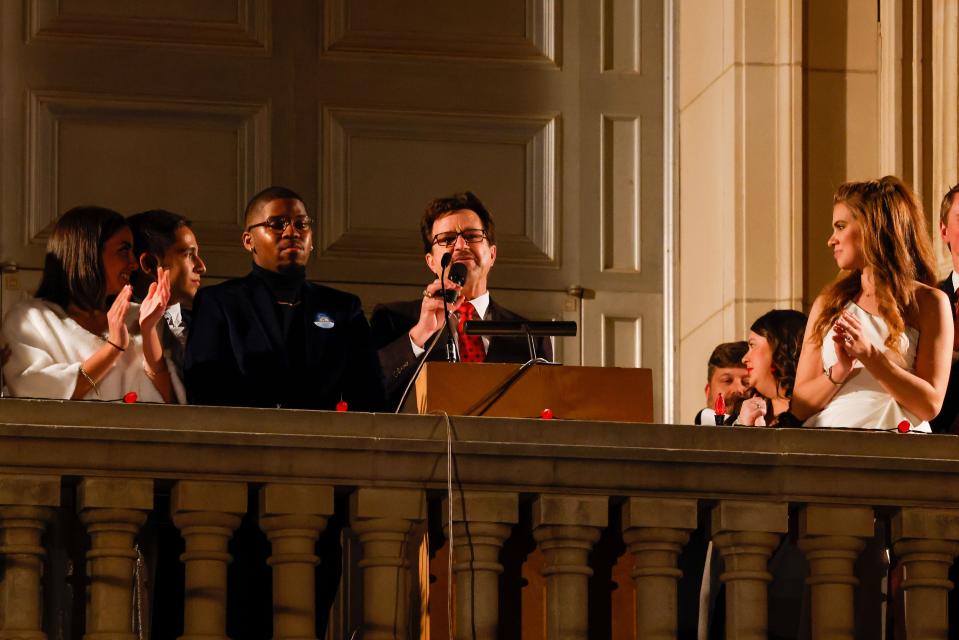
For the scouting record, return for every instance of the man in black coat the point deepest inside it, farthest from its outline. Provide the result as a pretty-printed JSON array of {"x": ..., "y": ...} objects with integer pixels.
[
  {"x": 272, "y": 339},
  {"x": 403, "y": 331},
  {"x": 945, "y": 422}
]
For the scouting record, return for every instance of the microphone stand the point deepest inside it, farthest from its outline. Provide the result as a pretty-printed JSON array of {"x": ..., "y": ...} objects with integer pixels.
[
  {"x": 452, "y": 349},
  {"x": 452, "y": 356}
]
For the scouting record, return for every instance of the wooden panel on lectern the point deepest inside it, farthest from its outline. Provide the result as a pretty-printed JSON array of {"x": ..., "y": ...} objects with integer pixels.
[{"x": 572, "y": 393}]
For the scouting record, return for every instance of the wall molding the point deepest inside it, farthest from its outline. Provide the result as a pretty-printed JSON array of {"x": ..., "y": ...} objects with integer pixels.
[
  {"x": 539, "y": 246},
  {"x": 945, "y": 124},
  {"x": 250, "y": 32},
  {"x": 46, "y": 111},
  {"x": 538, "y": 45}
]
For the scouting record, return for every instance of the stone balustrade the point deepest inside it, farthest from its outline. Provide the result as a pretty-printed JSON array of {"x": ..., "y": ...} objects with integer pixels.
[{"x": 382, "y": 480}]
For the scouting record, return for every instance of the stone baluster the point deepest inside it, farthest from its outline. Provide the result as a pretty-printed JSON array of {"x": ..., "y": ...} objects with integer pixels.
[
  {"x": 565, "y": 527},
  {"x": 478, "y": 536},
  {"x": 655, "y": 530},
  {"x": 206, "y": 513},
  {"x": 832, "y": 536},
  {"x": 746, "y": 533},
  {"x": 383, "y": 518},
  {"x": 26, "y": 505},
  {"x": 926, "y": 541},
  {"x": 113, "y": 510},
  {"x": 293, "y": 516}
]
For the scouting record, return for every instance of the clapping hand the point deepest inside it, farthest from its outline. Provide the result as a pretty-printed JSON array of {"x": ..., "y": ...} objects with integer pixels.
[
  {"x": 155, "y": 302},
  {"x": 117, "y": 332},
  {"x": 752, "y": 410},
  {"x": 851, "y": 344}
]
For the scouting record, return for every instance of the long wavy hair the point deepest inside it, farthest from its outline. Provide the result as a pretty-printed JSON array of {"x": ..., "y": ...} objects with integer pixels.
[
  {"x": 783, "y": 329},
  {"x": 895, "y": 245}
]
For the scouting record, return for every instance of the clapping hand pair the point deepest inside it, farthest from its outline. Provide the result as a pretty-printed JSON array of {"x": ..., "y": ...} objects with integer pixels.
[{"x": 151, "y": 309}]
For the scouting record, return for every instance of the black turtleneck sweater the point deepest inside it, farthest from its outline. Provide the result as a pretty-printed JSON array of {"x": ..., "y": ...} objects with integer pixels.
[{"x": 287, "y": 289}]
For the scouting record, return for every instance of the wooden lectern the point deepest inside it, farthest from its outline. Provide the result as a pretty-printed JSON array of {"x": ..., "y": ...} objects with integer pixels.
[{"x": 573, "y": 393}]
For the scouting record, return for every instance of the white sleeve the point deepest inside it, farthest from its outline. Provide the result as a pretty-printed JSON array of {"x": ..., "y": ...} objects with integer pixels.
[{"x": 32, "y": 370}]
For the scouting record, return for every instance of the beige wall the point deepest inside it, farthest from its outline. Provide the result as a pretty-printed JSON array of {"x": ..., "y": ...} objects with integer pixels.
[
  {"x": 739, "y": 175},
  {"x": 841, "y": 119}
]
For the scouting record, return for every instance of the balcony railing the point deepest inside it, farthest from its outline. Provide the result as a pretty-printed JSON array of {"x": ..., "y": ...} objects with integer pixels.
[{"x": 389, "y": 474}]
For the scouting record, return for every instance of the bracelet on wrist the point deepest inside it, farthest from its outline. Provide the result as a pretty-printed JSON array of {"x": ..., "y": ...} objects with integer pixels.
[
  {"x": 828, "y": 373},
  {"x": 115, "y": 345},
  {"x": 152, "y": 374},
  {"x": 91, "y": 381}
]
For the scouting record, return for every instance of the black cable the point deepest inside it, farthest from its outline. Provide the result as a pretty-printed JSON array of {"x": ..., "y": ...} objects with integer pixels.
[
  {"x": 416, "y": 371},
  {"x": 484, "y": 404}
]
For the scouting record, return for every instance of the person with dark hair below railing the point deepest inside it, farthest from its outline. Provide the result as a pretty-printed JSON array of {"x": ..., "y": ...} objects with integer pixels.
[
  {"x": 81, "y": 337},
  {"x": 773, "y": 346},
  {"x": 273, "y": 339},
  {"x": 165, "y": 239},
  {"x": 948, "y": 419},
  {"x": 461, "y": 226},
  {"x": 876, "y": 351}
]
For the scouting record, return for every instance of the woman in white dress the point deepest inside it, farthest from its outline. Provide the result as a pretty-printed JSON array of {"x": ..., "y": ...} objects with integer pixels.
[
  {"x": 876, "y": 353},
  {"x": 81, "y": 337}
]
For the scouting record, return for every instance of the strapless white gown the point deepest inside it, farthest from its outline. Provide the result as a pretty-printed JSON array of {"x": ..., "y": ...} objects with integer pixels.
[{"x": 862, "y": 403}]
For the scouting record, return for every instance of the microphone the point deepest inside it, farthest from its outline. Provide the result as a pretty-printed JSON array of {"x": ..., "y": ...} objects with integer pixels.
[
  {"x": 457, "y": 276},
  {"x": 452, "y": 353}
]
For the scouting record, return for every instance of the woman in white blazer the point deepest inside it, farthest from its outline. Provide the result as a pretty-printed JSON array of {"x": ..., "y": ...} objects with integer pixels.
[{"x": 81, "y": 337}]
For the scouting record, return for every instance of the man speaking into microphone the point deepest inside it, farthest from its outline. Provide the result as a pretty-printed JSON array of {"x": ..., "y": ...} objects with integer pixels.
[{"x": 461, "y": 226}]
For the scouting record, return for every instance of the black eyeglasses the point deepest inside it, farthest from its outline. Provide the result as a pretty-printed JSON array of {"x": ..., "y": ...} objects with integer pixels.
[
  {"x": 470, "y": 236},
  {"x": 279, "y": 225}
]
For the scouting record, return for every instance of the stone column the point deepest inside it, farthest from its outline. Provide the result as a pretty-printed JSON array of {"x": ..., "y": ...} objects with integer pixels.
[
  {"x": 655, "y": 530},
  {"x": 206, "y": 513},
  {"x": 565, "y": 528},
  {"x": 478, "y": 536},
  {"x": 746, "y": 533},
  {"x": 832, "y": 536},
  {"x": 26, "y": 505},
  {"x": 382, "y": 518},
  {"x": 293, "y": 516},
  {"x": 926, "y": 540},
  {"x": 113, "y": 510}
]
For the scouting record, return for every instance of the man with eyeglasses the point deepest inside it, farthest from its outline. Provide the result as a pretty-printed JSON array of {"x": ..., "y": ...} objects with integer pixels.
[
  {"x": 402, "y": 331},
  {"x": 273, "y": 339}
]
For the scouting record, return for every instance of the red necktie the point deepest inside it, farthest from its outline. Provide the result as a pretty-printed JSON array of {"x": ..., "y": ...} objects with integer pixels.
[{"x": 471, "y": 347}]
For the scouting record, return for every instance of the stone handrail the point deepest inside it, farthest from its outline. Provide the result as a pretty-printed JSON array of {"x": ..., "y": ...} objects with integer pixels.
[{"x": 658, "y": 476}]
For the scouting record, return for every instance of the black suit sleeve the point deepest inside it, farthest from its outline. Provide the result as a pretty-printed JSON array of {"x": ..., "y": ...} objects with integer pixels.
[
  {"x": 363, "y": 384},
  {"x": 394, "y": 351},
  {"x": 210, "y": 369}
]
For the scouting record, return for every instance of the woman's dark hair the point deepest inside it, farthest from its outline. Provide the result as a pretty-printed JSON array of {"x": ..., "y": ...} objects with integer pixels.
[
  {"x": 73, "y": 267},
  {"x": 783, "y": 329}
]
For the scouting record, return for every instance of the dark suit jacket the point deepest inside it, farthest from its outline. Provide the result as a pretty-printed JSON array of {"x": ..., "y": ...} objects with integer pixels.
[
  {"x": 391, "y": 324},
  {"x": 236, "y": 353},
  {"x": 943, "y": 423}
]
